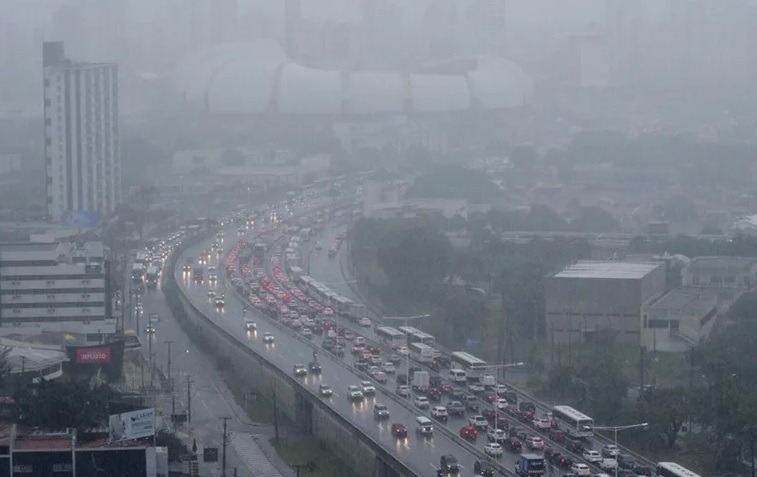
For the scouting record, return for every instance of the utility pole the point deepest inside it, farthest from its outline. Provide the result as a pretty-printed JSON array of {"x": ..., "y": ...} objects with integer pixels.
[
  {"x": 223, "y": 454},
  {"x": 189, "y": 399},
  {"x": 168, "y": 355},
  {"x": 275, "y": 417}
]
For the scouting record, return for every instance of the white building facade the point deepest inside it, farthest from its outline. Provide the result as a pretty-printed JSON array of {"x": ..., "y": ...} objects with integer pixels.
[
  {"x": 55, "y": 287},
  {"x": 82, "y": 149}
]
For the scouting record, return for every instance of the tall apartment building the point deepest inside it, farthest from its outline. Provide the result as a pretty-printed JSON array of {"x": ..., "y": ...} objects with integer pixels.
[
  {"x": 82, "y": 149},
  {"x": 55, "y": 287}
]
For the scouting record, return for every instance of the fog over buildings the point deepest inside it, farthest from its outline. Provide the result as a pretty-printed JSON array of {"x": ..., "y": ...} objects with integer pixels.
[{"x": 656, "y": 45}]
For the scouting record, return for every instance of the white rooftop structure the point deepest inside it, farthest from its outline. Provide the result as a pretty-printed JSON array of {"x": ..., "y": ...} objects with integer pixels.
[
  {"x": 607, "y": 270},
  {"x": 257, "y": 77}
]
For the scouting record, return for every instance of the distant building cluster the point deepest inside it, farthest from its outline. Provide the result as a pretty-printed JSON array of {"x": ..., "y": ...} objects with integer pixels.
[{"x": 643, "y": 303}]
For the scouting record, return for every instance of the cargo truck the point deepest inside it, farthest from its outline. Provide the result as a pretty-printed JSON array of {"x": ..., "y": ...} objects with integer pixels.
[{"x": 530, "y": 465}]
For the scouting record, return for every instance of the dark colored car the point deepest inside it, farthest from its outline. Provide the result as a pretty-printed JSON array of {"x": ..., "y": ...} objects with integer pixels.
[
  {"x": 448, "y": 464},
  {"x": 488, "y": 414},
  {"x": 511, "y": 397},
  {"x": 556, "y": 435},
  {"x": 435, "y": 380},
  {"x": 399, "y": 430},
  {"x": 484, "y": 469},
  {"x": 513, "y": 443},
  {"x": 361, "y": 364},
  {"x": 434, "y": 394},
  {"x": 402, "y": 378},
  {"x": 574, "y": 445},
  {"x": 527, "y": 406},
  {"x": 314, "y": 367}
]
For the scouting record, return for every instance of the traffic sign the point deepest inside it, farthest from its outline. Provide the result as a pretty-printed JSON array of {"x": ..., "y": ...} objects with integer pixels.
[{"x": 210, "y": 454}]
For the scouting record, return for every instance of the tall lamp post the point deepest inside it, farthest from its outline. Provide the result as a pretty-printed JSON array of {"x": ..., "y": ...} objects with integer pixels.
[
  {"x": 406, "y": 319},
  {"x": 615, "y": 430},
  {"x": 496, "y": 404}
]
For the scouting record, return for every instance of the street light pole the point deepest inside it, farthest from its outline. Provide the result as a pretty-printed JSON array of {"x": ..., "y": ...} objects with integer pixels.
[
  {"x": 496, "y": 404},
  {"x": 615, "y": 430}
]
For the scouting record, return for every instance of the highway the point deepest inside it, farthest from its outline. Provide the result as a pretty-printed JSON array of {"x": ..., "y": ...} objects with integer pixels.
[
  {"x": 329, "y": 271},
  {"x": 419, "y": 454}
]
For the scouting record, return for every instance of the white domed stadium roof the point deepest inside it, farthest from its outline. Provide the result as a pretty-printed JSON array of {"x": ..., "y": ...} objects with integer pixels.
[{"x": 257, "y": 77}]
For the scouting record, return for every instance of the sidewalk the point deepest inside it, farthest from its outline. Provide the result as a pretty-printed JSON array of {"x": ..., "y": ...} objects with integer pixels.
[{"x": 248, "y": 450}]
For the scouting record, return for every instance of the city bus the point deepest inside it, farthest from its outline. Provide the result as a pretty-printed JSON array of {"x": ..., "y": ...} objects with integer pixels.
[
  {"x": 391, "y": 336},
  {"x": 467, "y": 360},
  {"x": 573, "y": 422},
  {"x": 671, "y": 469},
  {"x": 423, "y": 352},
  {"x": 137, "y": 272},
  {"x": 414, "y": 335}
]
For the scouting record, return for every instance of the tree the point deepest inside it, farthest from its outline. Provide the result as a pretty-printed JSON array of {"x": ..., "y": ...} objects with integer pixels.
[
  {"x": 524, "y": 157},
  {"x": 666, "y": 410},
  {"x": 594, "y": 219},
  {"x": 61, "y": 404},
  {"x": 604, "y": 384},
  {"x": 454, "y": 182}
]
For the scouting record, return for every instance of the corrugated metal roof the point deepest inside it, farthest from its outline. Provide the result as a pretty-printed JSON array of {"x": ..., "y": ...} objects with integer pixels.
[{"x": 608, "y": 270}]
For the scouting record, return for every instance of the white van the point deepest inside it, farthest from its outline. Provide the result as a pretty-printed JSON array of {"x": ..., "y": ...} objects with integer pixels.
[
  {"x": 424, "y": 426},
  {"x": 458, "y": 376}
]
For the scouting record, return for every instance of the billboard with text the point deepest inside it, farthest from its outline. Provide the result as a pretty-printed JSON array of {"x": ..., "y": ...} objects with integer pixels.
[
  {"x": 132, "y": 425},
  {"x": 96, "y": 355}
]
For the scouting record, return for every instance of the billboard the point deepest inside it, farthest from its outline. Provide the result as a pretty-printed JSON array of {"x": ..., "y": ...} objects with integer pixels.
[
  {"x": 97, "y": 355},
  {"x": 132, "y": 425}
]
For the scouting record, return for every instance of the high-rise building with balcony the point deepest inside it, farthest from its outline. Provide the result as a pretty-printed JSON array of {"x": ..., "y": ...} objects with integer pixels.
[{"x": 82, "y": 149}]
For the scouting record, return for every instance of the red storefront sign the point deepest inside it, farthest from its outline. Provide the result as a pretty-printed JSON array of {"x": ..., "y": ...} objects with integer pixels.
[{"x": 97, "y": 355}]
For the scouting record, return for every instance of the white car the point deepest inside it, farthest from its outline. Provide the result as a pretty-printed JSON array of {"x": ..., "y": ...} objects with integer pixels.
[
  {"x": 439, "y": 412},
  {"x": 493, "y": 449},
  {"x": 421, "y": 402},
  {"x": 325, "y": 390},
  {"x": 502, "y": 404},
  {"x": 581, "y": 469},
  {"x": 365, "y": 321},
  {"x": 403, "y": 390},
  {"x": 389, "y": 368},
  {"x": 368, "y": 388},
  {"x": 592, "y": 456},
  {"x": 250, "y": 325},
  {"x": 403, "y": 350},
  {"x": 268, "y": 338},
  {"x": 608, "y": 464},
  {"x": 479, "y": 422},
  {"x": 535, "y": 443},
  {"x": 496, "y": 435},
  {"x": 354, "y": 393},
  {"x": 542, "y": 423},
  {"x": 500, "y": 389},
  {"x": 610, "y": 450}
]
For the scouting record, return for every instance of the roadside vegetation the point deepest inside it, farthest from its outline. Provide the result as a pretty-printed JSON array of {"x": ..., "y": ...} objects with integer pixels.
[{"x": 314, "y": 454}]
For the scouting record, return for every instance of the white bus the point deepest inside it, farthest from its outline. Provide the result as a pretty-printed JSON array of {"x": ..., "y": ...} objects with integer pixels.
[
  {"x": 423, "y": 352},
  {"x": 467, "y": 360},
  {"x": 671, "y": 469},
  {"x": 414, "y": 335},
  {"x": 391, "y": 336},
  {"x": 573, "y": 422}
]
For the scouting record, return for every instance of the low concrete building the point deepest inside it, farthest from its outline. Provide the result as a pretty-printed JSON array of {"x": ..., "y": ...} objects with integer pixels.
[
  {"x": 721, "y": 272},
  {"x": 679, "y": 319},
  {"x": 592, "y": 300}
]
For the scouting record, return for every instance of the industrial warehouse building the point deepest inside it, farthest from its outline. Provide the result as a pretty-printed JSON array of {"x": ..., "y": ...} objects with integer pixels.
[{"x": 601, "y": 300}]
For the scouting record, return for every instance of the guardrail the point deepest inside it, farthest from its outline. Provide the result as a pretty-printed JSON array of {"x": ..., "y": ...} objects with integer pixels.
[
  {"x": 375, "y": 445},
  {"x": 480, "y": 455}
]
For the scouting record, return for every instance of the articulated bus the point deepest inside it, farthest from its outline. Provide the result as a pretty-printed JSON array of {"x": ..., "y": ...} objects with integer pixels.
[
  {"x": 414, "y": 335},
  {"x": 391, "y": 336},
  {"x": 573, "y": 422},
  {"x": 468, "y": 361},
  {"x": 423, "y": 352},
  {"x": 671, "y": 469}
]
